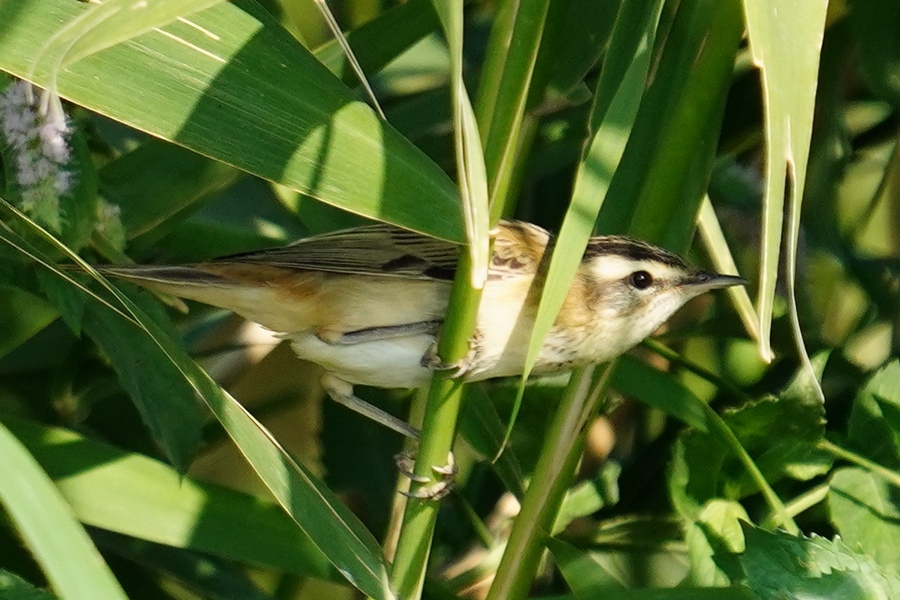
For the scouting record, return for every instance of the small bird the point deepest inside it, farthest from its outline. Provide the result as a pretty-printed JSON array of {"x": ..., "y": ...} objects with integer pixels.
[{"x": 367, "y": 303}]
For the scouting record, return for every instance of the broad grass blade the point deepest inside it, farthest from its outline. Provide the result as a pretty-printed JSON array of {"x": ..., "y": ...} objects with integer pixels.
[
  {"x": 57, "y": 541},
  {"x": 233, "y": 85},
  {"x": 785, "y": 41}
]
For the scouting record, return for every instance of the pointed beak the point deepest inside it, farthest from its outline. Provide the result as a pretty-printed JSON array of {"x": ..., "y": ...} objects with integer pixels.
[{"x": 703, "y": 281}]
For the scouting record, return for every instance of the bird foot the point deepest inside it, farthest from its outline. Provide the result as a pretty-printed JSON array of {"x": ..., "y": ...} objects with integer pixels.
[
  {"x": 457, "y": 369},
  {"x": 440, "y": 486}
]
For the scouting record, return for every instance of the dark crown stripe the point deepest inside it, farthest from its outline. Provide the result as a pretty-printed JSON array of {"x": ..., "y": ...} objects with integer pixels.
[{"x": 631, "y": 249}]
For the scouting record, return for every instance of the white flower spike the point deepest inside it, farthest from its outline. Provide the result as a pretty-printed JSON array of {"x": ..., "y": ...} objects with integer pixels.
[{"x": 38, "y": 146}]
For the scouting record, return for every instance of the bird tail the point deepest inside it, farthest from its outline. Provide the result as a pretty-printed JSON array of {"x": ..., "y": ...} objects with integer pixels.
[
  {"x": 163, "y": 275},
  {"x": 277, "y": 299}
]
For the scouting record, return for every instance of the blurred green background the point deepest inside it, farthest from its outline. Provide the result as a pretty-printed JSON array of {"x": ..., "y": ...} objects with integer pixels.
[{"x": 241, "y": 126}]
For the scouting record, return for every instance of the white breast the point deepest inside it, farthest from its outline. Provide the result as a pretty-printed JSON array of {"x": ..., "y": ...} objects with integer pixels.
[{"x": 390, "y": 363}]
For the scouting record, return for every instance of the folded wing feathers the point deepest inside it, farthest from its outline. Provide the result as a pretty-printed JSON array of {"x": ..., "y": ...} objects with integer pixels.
[{"x": 378, "y": 249}]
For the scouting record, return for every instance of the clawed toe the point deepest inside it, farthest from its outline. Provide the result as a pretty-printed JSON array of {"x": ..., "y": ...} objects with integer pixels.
[
  {"x": 441, "y": 487},
  {"x": 405, "y": 461},
  {"x": 433, "y": 362},
  {"x": 447, "y": 470}
]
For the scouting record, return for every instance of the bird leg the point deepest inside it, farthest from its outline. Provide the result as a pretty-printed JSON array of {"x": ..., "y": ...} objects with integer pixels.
[
  {"x": 375, "y": 334},
  {"x": 342, "y": 392}
]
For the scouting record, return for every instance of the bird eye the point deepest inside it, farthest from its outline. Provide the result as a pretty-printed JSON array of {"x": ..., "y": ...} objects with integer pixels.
[{"x": 641, "y": 280}]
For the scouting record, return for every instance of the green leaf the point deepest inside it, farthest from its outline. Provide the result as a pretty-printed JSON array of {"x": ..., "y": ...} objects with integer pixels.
[
  {"x": 717, "y": 527},
  {"x": 778, "y": 565},
  {"x": 158, "y": 180},
  {"x": 25, "y": 315},
  {"x": 60, "y": 545},
  {"x": 615, "y": 107},
  {"x": 168, "y": 405},
  {"x": 587, "y": 29},
  {"x": 690, "y": 489},
  {"x": 780, "y": 433},
  {"x": 659, "y": 390},
  {"x": 205, "y": 576},
  {"x": 657, "y": 189},
  {"x": 13, "y": 587},
  {"x": 783, "y": 433},
  {"x": 589, "y": 496},
  {"x": 785, "y": 41},
  {"x": 874, "y": 418},
  {"x": 864, "y": 510},
  {"x": 470, "y": 160},
  {"x": 379, "y": 41},
  {"x": 627, "y": 573},
  {"x": 586, "y": 575},
  {"x": 102, "y": 26},
  {"x": 138, "y": 496},
  {"x": 69, "y": 303},
  {"x": 875, "y": 24},
  {"x": 722, "y": 519},
  {"x": 721, "y": 257},
  {"x": 233, "y": 85},
  {"x": 482, "y": 427},
  {"x": 682, "y": 593},
  {"x": 504, "y": 89},
  {"x": 320, "y": 514},
  {"x": 317, "y": 510}
]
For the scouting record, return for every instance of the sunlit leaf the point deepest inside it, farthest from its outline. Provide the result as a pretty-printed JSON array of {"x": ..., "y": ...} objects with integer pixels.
[
  {"x": 233, "y": 85},
  {"x": 875, "y": 415},
  {"x": 785, "y": 41},
  {"x": 616, "y": 102},
  {"x": 782, "y": 565},
  {"x": 863, "y": 507},
  {"x": 331, "y": 526},
  {"x": 722, "y": 259},
  {"x": 141, "y": 497},
  {"x": 60, "y": 545}
]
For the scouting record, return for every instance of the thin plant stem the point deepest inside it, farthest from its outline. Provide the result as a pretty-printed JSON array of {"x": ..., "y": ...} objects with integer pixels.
[
  {"x": 392, "y": 536},
  {"x": 698, "y": 370},
  {"x": 559, "y": 457},
  {"x": 438, "y": 431},
  {"x": 480, "y": 530},
  {"x": 800, "y": 504},
  {"x": 780, "y": 513},
  {"x": 348, "y": 53},
  {"x": 889, "y": 475}
]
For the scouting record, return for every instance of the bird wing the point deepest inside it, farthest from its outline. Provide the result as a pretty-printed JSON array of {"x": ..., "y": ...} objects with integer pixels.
[
  {"x": 378, "y": 249},
  {"x": 519, "y": 248}
]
